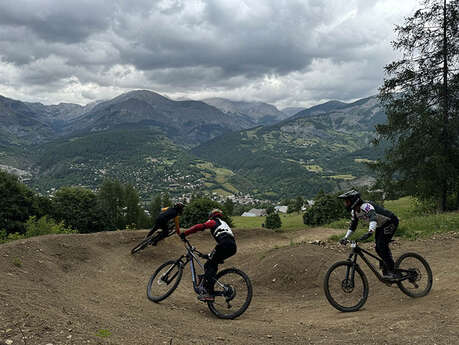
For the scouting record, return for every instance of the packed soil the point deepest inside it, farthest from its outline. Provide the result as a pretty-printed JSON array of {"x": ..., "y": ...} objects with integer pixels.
[{"x": 89, "y": 289}]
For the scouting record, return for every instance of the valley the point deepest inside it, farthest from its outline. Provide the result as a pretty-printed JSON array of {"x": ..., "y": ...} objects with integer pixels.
[{"x": 185, "y": 147}]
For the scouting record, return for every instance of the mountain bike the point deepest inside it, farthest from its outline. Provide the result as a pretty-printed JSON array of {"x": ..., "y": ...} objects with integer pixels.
[
  {"x": 346, "y": 285},
  {"x": 152, "y": 239},
  {"x": 232, "y": 288}
]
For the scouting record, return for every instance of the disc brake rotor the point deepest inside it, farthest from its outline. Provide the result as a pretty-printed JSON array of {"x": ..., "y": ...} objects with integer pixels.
[{"x": 347, "y": 286}]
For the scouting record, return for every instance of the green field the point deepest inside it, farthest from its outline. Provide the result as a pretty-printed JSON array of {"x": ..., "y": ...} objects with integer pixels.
[
  {"x": 293, "y": 221},
  {"x": 413, "y": 224}
]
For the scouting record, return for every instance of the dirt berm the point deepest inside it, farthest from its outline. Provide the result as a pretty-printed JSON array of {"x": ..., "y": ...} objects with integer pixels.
[{"x": 88, "y": 289}]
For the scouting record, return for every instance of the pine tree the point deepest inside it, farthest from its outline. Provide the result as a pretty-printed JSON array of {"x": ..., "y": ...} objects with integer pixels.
[
  {"x": 112, "y": 201},
  {"x": 166, "y": 200},
  {"x": 228, "y": 207},
  {"x": 155, "y": 208},
  {"x": 133, "y": 209},
  {"x": 420, "y": 96},
  {"x": 273, "y": 221}
]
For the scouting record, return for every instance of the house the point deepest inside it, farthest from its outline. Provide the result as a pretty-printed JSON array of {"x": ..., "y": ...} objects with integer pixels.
[
  {"x": 281, "y": 209},
  {"x": 258, "y": 212},
  {"x": 255, "y": 212}
]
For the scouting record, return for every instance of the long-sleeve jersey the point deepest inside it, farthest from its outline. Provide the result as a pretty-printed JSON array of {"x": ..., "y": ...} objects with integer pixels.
[
  {"x": 217, "y": 228},
  {"x": 372, "y": 213},
  {"x": 167, "y": 214}
]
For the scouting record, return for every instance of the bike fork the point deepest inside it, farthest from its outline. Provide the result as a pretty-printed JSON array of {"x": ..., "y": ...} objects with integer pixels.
[{"x": 350, "y": 270}]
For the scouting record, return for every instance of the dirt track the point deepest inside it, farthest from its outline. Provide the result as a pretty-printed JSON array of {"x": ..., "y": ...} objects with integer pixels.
[{"x": 67, "y": 289}]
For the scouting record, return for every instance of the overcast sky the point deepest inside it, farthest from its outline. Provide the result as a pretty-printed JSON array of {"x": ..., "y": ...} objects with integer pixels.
[{"x": 283, "y": 52}]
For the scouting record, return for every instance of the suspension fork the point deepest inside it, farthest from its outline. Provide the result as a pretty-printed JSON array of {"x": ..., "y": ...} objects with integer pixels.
[{"x": 350, "y": 270}]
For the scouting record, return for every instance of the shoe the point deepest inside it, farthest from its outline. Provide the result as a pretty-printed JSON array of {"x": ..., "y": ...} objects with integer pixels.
[
  {"x": 390, "y": 275},
  {"x": 206, "y": 297}
]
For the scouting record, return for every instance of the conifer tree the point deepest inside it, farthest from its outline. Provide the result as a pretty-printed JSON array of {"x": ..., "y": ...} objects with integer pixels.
[{"x": 420, "y": 96}]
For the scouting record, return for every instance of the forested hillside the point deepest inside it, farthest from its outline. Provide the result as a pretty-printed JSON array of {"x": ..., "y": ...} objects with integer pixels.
[
  {"x": 151, "y": 142},
  {"x": 324, "y": 148}
]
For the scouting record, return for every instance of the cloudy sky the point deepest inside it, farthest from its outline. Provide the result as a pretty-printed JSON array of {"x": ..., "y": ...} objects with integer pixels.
[{"x": 283, "y": 52}]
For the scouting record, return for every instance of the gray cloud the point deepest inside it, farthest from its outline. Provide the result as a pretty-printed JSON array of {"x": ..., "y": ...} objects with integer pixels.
[{"x": 290, "y": 53}]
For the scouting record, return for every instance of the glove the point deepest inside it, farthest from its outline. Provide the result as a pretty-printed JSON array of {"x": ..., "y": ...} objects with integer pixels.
[
  {"x": 182, "y": 236},
  {"x": 365, "y": 237},
  {"x": 343, "y": 241}
]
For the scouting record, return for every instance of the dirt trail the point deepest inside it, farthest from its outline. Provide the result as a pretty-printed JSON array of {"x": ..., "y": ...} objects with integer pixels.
[{"x": 88, "y": 289}]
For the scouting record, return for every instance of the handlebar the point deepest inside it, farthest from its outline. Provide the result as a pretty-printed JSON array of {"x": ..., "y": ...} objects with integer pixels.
[
  {"x": 194, "y": 250},
  {"x": 353, "y": 242}
]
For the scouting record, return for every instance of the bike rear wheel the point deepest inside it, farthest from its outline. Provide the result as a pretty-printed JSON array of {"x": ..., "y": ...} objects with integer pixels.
[
  {"x": 233, "y": 294},
  {"x": 346, "y": 286},
  {"x": 164, "y": 281},
  {"x": 419, "y": 275}
]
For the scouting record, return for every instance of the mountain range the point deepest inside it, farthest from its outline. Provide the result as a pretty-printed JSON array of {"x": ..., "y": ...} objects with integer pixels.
[
  {"x": 215, "y": 145},
  {"x": 257, "y": 112}
]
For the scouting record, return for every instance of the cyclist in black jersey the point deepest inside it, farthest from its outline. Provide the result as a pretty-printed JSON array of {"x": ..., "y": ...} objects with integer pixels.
[
  {"x": 382, "y": 222},
  {"x": 226, "y": 247},
  {"x": 163, "y": 219}
]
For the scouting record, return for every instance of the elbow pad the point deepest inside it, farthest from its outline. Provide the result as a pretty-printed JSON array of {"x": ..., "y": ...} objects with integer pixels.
[
  {"x": 348, "y": 233},
  {"x": 372, "y": 226}
]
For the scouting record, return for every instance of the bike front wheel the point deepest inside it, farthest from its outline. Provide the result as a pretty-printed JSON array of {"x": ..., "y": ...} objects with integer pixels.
[
  {"x": 141, "y": 245},
  {"x": 144, "y": 243},
  {"x": 346, "y": 286},
  {"x": 233, "y": 294},
  {"x": 164, "y": 281},
  {"x": 416, "y": 275}
]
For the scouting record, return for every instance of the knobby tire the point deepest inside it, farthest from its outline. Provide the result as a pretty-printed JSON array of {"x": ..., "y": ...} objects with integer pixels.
[
  {"x": 405, "y": 285},
  {"x": 359, "y": 277},
  {"x": 155, "y": 279},
  {"x": 214, "y": 305}
]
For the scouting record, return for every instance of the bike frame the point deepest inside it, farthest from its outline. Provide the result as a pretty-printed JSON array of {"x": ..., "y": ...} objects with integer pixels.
[
  {"x": 190, "y": 257},
  {"x": 359, "y": 252}
]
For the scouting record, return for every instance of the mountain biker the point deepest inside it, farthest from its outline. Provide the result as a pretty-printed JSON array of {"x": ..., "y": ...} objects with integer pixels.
[
  {"x": 225, "y": 248},
  {"x": 162, "y": 221},
  {"x": 381, "y": 221}
]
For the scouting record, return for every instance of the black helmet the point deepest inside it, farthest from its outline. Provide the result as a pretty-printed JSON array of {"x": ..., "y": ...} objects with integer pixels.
[
  {"x": 216, "y": 213},
  {"x": 353, "y": 196},
  {"x": 179, "y": 206}
]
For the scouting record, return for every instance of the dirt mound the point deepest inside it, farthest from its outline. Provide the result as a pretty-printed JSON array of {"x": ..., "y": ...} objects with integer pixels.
[
  {"x": 295, "y": 269},
  {"x": 88, "y": 289}
]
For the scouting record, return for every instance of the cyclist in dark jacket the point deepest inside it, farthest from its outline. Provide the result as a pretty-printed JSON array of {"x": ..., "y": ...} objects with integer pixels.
[
  {"x": 225, "y": 248},
  {"x": 163, "y": 219},
  {"x": 381, "y": 221}
]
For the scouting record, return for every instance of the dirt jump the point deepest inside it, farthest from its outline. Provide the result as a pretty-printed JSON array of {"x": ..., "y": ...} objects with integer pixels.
[{"x": 89, "y": 289}]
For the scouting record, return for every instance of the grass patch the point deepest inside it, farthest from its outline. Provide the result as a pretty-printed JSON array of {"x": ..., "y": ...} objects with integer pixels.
[
  {"x": 292, "y": 221},
  {"x": 342, "y": 177},
  {"x": 314, "y": 168},
  {"x": 17, "y": 262},
  {"x": 103, "y": 333},
  {"x": 248, "y": 222},
  {"x": 363, "y": 160},
  {"x": 412, "y": 224},
  {"x": 427, "y": 225}
]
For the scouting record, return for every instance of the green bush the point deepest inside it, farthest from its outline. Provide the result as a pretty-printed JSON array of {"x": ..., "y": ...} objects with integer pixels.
[
  {"x": 79, "y": 209},
  {"x": 44, "y": 226},
  {"x": 327, "y": 208},
  {"x": 17, "y": 203},
  {"x": 197, "y": 211},
  {"x": 273, "y": 221},
  {"x": 34, "y": 227}
]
